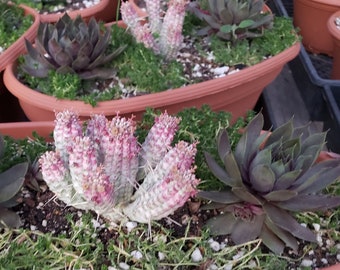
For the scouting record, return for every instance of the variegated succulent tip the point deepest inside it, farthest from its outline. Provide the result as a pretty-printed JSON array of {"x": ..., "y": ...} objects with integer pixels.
[
  {"x": 162, "y": 31},
  {"x": 101, "y": 166}
]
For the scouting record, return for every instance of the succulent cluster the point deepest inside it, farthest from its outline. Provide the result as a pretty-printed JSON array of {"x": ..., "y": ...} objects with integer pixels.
[
  {"x": 234, "y": 19},
  {"x": 70, "y": 46},
  {"x": 162, "y": 34},
  {"x": 11, "y": 182},
  {"x": 104, "y": 168},
  {"x": 267, "y": 178}
]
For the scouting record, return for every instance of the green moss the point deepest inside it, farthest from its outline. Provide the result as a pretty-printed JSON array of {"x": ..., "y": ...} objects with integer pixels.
[
  {"x": 13, "y": 23},
  {"x": 145, "y": 72}
]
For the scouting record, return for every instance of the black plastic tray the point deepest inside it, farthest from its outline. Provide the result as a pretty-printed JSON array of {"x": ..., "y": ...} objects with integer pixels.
[{"x": 311, "y": 73}]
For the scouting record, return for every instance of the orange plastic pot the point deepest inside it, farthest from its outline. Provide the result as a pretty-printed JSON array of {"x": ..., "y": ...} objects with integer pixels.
[
  {"x": 18, "y": 47},
  {"x": 105, "y": 10}
]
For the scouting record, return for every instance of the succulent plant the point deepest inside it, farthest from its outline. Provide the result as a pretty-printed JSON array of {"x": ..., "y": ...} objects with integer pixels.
[
  {"x": 234, "y": 19},
  {"x": 161, "y": 33},
  {"x": 99, "y": 169},
  {"x": 268, "y": 178},
  {"x": 70, "y": 46},
  {"x": 11, "y": 182}
]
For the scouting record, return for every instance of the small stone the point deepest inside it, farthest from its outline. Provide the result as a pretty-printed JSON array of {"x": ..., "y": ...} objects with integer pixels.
[
  {"x": 44, "y": 223},
  {"x": 95, "y": 223},
  {"x": 130, "y": 225},
  {"x": 228, "y": 266},
  {"x": 324, "y": 261},
  {"x": 33, "y": 228},
  {"x": 124, "y": 266},
  {"x": 215, "y": 246},
  {"x": 136, "y": 254},
  {"x": 213, "y": 267},
  {"x": 161, "y": 256},
  {"x": 316, "y": 227},
  {"x": 306, "y": 263},
  {"x": 196, "y": 255}
]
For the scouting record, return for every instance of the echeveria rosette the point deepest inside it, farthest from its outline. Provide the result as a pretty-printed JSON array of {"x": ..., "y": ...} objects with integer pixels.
[
  {"x": 267, "y": 178},
  {"x": 71, "y": 46},
  {"x": 98, "y": 168}
]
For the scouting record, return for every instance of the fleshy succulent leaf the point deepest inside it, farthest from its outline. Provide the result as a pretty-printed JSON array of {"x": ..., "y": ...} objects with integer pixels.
[
  {"x": 246, "y": 196},
  {"x": 246, "y": 231},
  {"x": 271, "y": 240},
  {"x": 9, "y": 219},
  {"x": 218, "y": 171},
  {"x": 262, "y": 178},
  {"x": 12, "y": 180},
  {"x": 318, "y": 177},
  {"x": 285, "y": 236},
  {"x": 224, "y": 197},
  {"x": 310, "y": 202},
  {"x": 286, "y": 222},
  {"x": 280, "y": 195},
  {"x": 222, "y": 224}
]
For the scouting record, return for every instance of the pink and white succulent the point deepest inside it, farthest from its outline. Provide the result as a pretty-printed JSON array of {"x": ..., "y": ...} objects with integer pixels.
[
  {"x": 162, "y": 32},
  {"x": 100, "y": 168}
]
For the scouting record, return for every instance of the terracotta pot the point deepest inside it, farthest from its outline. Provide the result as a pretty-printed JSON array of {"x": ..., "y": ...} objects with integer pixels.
[
  {"x": 21, "y": 130},
  {"x": 333, "y": 25},
  {"x": 105, "y": 10},
  {"x": 18, "y": 47},
  {"x": 236, "y": 93},
  {"x": 332, "y": 267},
  {"x": 311, "y": 17}
]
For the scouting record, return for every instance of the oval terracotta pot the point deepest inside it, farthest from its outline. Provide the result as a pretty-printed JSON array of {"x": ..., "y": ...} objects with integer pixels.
[
  {"x": 334, "y": 30},
  {"x": 311, "y": 17},
  {"x": 18, "y": 47},
  {"x": 236, "y": 93},
  {"x": 105, "y": 10},
  {"x": 21, "y": 130}
]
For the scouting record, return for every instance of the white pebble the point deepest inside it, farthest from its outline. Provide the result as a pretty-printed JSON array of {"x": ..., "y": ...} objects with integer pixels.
[
  {"x": 124, "y": 266},
  {"x": 95, "y": 223},
  {"x": 196, "y": 256},
  {"x": 212, "y": 267},
  {"x": 228, "y": 266},
  {"x": 319, "y": 239},
  {"x": 44, "y": 223},
  {"x": 324, "y": 261},
  {"x": 33, "y": 228},
  {"x": 130, "y": 225},
  {"x": 306, "y": 263},
  {"x": 137, "y": 254},
  {"x": 338, "y": 257},
  {"x": 316, "y": 227},
  {"x": 238, "y": 255},
  {"x": 215, "y": 246},
  {"x": 161, "y": 256},
  {"x": 220, "y": 70}
]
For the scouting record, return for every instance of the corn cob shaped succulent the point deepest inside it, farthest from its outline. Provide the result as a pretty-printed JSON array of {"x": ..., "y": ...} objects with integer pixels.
[
  {"x": 163, "y": 34},
  {"x": 96, "y": 169}
]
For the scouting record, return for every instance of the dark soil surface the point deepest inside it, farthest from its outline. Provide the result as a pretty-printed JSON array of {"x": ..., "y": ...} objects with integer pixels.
[{"x": 43, "y": 212}]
